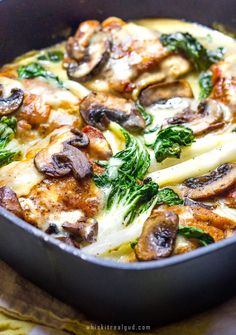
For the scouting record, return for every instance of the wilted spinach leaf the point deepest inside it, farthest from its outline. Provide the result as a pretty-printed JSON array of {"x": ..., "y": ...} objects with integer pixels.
[
  {"x": 199, "y": 234},
  {"x": 170, "y": 141},
  {"x": 205, "y": 84},
  {"x": 185, "y": 43},
  {"x": 34, "y": 70}
]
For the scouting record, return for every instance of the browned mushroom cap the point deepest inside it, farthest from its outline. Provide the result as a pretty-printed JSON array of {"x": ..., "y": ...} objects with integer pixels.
[
  {"x": 158, "y": 236},
  {"x": 208, "y": 117},
  {"x": 61, "y": 158},
  {"x": 9, "y": 200},
  {"x": 1, "y": 90},
  {"x": 89, "y": 50},
  {"x": 214, "y": 183},
  {"x": 12, "y": 103},
  {"x": 97, "y": 109},
  {"x": 165, "y": 91},
  {"x": 80, "y": 140},
  {"x": 85, "y": 229}
]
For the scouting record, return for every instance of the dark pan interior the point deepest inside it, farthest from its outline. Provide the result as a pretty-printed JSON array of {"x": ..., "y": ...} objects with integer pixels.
[
  {"x": 157, "y": 292},
  {"x": 33, "y": 24}
]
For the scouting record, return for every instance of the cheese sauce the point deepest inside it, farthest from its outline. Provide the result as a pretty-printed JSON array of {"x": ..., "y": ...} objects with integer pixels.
[{"x": 60, "y": 97}]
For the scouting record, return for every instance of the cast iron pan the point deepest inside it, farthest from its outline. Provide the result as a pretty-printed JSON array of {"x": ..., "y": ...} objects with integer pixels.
[{"x": 145, "y": 293}]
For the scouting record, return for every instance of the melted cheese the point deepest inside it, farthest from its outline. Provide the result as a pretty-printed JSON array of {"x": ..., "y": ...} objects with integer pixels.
[{"x": 20, "y": 176}]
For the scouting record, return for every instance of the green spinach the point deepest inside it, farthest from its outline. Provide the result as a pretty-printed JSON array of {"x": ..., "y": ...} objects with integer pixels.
[
  {"x": 34, "y": 70},
  {"x": 196, "y": 233},
  {"x": 205, "y": 84},
  {"x": 170, "y": 140},
  {"x": 185, "y": 43},
  {"x": 7, "y": 132}
]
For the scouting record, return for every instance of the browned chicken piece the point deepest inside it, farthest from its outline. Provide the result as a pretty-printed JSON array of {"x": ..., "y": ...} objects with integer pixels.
[
  {"x": 121, "y": 54},
  {"x": 55, "y": 200},
  {"x": 47, "y": 106},
  {"x": 69, "y": 198},
  {"x": 8, "y": 72},
  {"x": 231, "y": 199},
  {"x": 204, "y": 215},
  {"x": 224, "y": 81},
  {"x": 34, "y": 111},
  {"x": 225, "y": 90},
  {"x": 98, "y": 147}
]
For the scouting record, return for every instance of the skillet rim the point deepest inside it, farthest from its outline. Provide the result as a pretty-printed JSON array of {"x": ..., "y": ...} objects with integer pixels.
[{"x": 107, "y": 263}]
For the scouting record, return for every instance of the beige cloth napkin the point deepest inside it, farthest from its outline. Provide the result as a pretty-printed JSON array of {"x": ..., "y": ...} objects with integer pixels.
[{"x": 27, "y": 310}]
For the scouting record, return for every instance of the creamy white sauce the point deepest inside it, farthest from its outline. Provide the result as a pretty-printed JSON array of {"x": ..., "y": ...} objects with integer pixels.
[{"x": 204, "y": 155}]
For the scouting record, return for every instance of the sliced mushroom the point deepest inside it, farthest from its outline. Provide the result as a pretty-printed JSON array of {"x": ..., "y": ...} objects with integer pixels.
[
  {"x": 158, "y": 236},
  {"x": 208, "y": 117},
  {"x": 97, "y": 109},
  {"x": 214, "y": 183},
  {"x": 197, "y": 204},
  {"x": 85, "y": 229},
  {"x": 80, "y": 140},
  {"x": 61, "y": 158},
  {"x": 224, "y": 81},
  {"x": 34, "y": 110},
  {"x": 9, "y": 200},
  {"x": 89, "y": 50},
  {"x": 203, "y": 215},
  {"x": 164, "y": 91},
  {"x": 12, "y": 103}
]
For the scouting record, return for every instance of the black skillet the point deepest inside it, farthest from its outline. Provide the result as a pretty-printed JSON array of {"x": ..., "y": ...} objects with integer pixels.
[{"x": 145, "y": 293}]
